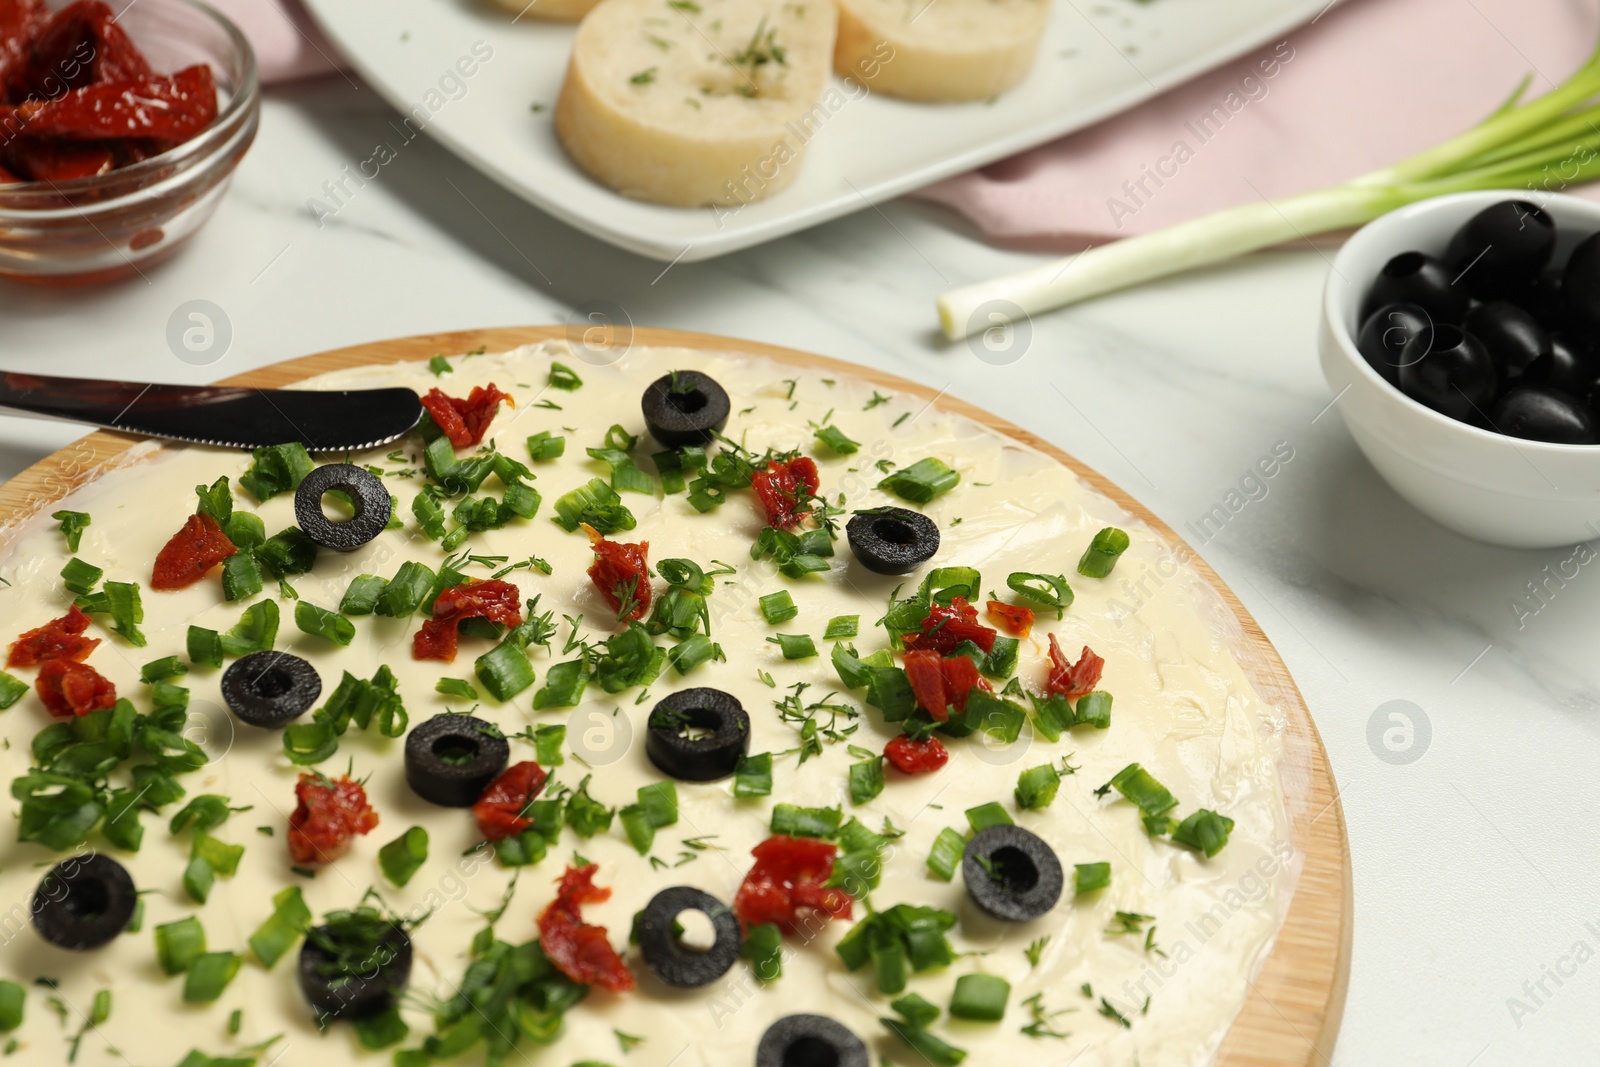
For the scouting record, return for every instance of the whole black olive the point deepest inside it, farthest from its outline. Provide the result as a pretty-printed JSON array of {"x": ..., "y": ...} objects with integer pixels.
[
  {"x": 1538, "y": 413},
  {"x": 1580, "y": 289},
  {"x": 810, "y": 1041},
  {"x": 84, "y": 902},
  {"x": 1501, "y": 248},
  {"x": 1415, "y": 278},
  {"x": 270, "y": 689},
  {"x": 1571, "y": 368},
  {"x": 1512, "y": 335},
  {"x": 1385, "y": 334},
  {"x": 1011, "y": 873},
  {"x": 1449, "y": 371},
  {"x": 1542, "y": 297},
  {"x": 685, "y": 408}
]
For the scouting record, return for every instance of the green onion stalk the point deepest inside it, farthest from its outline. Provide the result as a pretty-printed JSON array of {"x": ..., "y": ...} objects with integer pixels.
[{"x": 1543, "y": 145}]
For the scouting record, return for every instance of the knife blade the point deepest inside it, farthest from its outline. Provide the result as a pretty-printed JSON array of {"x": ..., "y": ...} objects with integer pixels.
[{"x": 223, "y": 416}]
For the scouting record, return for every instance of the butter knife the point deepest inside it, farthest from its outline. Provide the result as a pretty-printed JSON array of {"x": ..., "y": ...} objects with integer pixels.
[{"x": 224, "y": 416}]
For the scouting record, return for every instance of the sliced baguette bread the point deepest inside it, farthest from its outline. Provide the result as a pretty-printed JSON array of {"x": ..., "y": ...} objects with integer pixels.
[
  {"x": 549, "y": 10},
  {"x": 939, "y": 50},
  {"x": 696, "y": 102}
]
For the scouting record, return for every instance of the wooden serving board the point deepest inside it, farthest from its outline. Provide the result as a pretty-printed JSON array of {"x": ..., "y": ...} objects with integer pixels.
[{"x": 1291, "y": 1017}]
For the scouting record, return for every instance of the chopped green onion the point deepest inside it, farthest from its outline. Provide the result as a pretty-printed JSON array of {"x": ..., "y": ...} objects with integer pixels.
[
  {"x": 1136, "y": 784},
  {"x": 948, "y": 849},
  {"x": 1204, "y": 831},
  {"x": 80, "y": 577},
  {"x": 1094, "y": 709},
  {"x": 924, "y": 1044},
  {"x": 659, "y": 801},
  {"x": 286, "y": 553},
  {"x": 504, "y": 670},
  {"x": 404, "y": 593},
  {"x": 245, "y": 530},
  {"x": 121, "y": 601},
  {"x": 548, "y": 742},
  {"x": 792, "y": 820},
  {"x": 980, "y": 997},
  {"x": 220, "y": 856},
  {"x": 595, "y": 504},
  {"x": 563, "y": 685},
  {"x": 277, "y": 469},
  {"x": 564, "y": 377},
  {"x": 1102, "y": 553},
  {"x": 404, "y": 856},
  {"x": 1000, "y": 719},
  {"x": 439, "y": 366},
  {"x": 922, "y": 481},
  {"x": 13, "y": 997},
  {"x": 778, "y": 607},
  {"x": 753, "y": 776},
  {"x": 198, "y": 878},
  {"x": 12, "y": 689},
  {"x": 361, "y": 598},
  {"x": 794, "y": 646},
  {"x": 456, "y": 687},
  {"x": 381, "y": 1030},
  {"x": 257, "y": 629},
  {"x": 692, "y": 652},
  {"x": 208, "y": 976},
  {"x": 1037, "y": 787},
  {"x": 986, "y": 815},
  {"x": 320, "y": 622},
  {"x": 842, "y": 626},
  {"x": 1051, "y": 590},
  {"x": 1001, "y": 661},
  {"x": 1087, "y": 877},
  {"x": 160, "y": 670},
  {"x": 216, "y": 500},
  {"x": 866, "y": 780},
  {"x": 916, "y": 1010},
  {"x": 835, "y": 440},
  {"x": 542, "y": 447},
  {"x": 179, "y": 944},
  {"x": 586, "y": 815},
  {"x": 763, "y": 947},
  {"x": 167, "y": 695},
  {"x": 72, "y": 526},
  {"x": 288, "y": 922}
]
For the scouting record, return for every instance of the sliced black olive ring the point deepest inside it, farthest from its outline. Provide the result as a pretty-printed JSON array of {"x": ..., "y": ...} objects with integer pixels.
[
  {"x": 354, "y": 996},
  {"x": 810, "y": 1041},
  {"x": 685, "y": 408},
  {"x": 270, "y": 689},
  {"x": 1011, "y": 873},
  {"x": 668, "y": 958},
  {"x": 366, "y": 494},
  {"x": 698, "y": 735},
  {"x": 892, "y": 540},
  {"x": 451, "y": 759},
  {"x": 84, "y": 902}
]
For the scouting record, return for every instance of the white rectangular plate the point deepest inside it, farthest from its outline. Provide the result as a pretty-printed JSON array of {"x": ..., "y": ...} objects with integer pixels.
[{"x": 1098, "y": 57}]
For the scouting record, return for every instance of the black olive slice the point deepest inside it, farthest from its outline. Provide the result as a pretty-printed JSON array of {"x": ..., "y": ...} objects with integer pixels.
[
  {"x": 84, "y": 902},
  {"x": 810, "y": 1041},
  {"x": 366, "y": 493},
  {"x": 366, "y": 992},
  {"x": 270, "y": 689},
  {"x": 451, "y": 759},
  {"x": 1011, "y": 873},
  {"x": 892, "y": 540},
  {"x": 698, "y": 735},
  {"x": 668, "y": 958},
  {"x": 685, "y": 408}
]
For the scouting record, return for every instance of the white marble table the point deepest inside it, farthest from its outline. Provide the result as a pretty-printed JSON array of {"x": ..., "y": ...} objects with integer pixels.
[{"x": 1476, "y": 869}]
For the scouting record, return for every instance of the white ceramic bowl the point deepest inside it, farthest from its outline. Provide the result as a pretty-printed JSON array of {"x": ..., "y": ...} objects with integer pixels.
[{"x": 1504, "y": 490}]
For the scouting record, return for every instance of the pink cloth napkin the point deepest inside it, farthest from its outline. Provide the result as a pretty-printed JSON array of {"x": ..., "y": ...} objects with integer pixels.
[
  {"x": 1369, "y": 83},
  {"x": 288, "y": 45}
]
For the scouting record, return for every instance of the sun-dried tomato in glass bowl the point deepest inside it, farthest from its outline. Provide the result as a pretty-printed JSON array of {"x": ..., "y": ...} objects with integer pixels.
[{"x": 120, "y": 126}]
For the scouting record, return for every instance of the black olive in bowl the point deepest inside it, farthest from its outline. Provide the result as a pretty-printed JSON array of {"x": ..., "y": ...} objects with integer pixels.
[
  {"x": 1500, "y": 249},
  {"x": 1449, "y": 371},
  {"x": 1384, "y": 336},
  {"x": 1512, "y": 335},
  {"x": 1416, "y": 278},
  {"x": 1538, "y": 413}
]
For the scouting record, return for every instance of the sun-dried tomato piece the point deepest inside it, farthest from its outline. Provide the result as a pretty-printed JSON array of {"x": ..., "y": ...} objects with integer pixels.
[
  {"x": 70, "y": 688},
  {"x": 1073, "y": 680},
  {"x": 960, "y": 679},
  {"x": 940, "y": 683},
  {"x": 465, "y": 421},
  {"x": 474, "y": 598},
  {"x": 20, "y": 21},
  {"x": 947, "y": 625},
  {"x": 57, "y": 639},
  {"x": 197, "y": 547},
  {"x": 60, "y": 161},
  {"x": 169, "y": 107},
  {"x": 785, "y": 489},
  {"x": 581, "y": 950},
  {"x": 331, "y": 812},
  {"x": 500, "y": 811},
  {"x": 80, "y": 45},
  {"x": 912, "y": 755},
  {"x": 787, "y": 884},
  {"x": 621, "y": 574},
  {"x": 1014, "y": 619}
]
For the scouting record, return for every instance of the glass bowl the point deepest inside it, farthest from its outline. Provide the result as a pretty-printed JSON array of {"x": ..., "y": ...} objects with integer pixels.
[{"x": 91, "y": 230}]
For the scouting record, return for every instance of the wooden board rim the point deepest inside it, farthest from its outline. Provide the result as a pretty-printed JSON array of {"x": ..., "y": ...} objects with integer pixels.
[{"x": 1292, "y": 1013}]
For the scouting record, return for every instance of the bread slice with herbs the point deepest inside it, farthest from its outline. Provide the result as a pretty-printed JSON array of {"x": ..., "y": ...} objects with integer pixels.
[
  {"x": 696, "y": 102},
  {"x": 939, "y": 50},
  {"x": 549, "y": 10}
]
